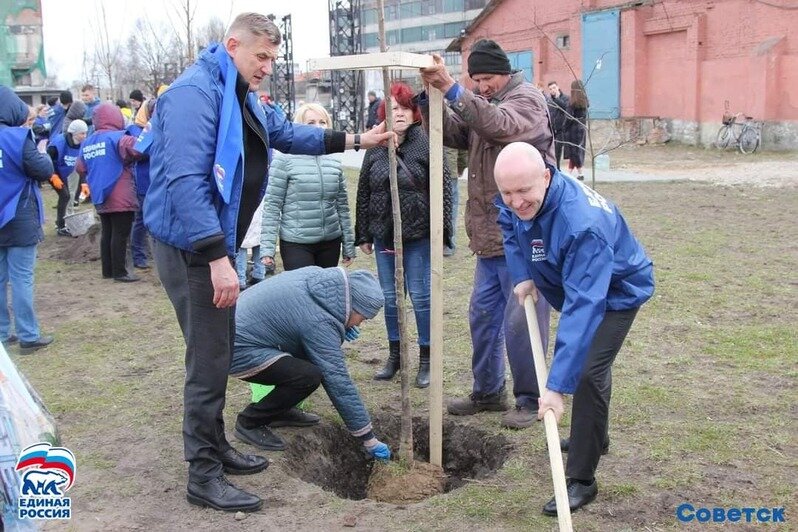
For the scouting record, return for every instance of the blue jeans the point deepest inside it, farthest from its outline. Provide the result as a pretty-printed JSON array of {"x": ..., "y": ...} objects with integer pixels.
[
  {"x": 16, "y": 267},
  {"x": 138, "y": 238},
  {"x": 417, "y": 283},
  {"x": 497, "y": 320},
  {"x": 258, "y": 268}
]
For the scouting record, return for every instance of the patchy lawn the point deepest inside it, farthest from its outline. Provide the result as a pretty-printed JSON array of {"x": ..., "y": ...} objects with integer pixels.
[{"x": 704, "y": 403}]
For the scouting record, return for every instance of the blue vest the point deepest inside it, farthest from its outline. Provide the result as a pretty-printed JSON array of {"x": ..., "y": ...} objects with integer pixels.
[
  {"x": 67, "y": 156},
  {"x": 13, "y": 180},
  {"x": 104, "y": 166},
  {"x": 142, "y": 168}
]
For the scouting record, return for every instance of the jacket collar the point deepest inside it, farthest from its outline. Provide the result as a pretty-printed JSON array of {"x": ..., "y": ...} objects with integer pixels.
[{"x": 516, "y": 79}]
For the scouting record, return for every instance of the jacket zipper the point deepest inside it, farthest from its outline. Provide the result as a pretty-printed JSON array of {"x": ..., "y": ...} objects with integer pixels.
[{"x": 321, "y": 199}]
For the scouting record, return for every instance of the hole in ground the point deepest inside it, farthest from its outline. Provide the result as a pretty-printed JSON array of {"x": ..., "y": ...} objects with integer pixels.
[{"x": 328, "y": 456}]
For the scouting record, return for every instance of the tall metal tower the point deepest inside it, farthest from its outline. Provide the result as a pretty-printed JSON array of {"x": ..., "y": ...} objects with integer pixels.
[
  {"x": 347, "y": 85},
  {"x": 282, "y": 88}
]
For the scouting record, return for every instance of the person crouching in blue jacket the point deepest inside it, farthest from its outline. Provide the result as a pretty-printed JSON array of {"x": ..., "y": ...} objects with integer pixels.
[
  {"x": 565, "y": 241},
  {"x": 289, "y": 331}
]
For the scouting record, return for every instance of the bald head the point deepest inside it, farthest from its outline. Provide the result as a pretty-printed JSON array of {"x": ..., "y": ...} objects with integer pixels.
[{"x": 522, "y": 178}]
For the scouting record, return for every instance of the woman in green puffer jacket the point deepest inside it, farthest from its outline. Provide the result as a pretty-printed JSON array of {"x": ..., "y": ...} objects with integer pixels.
[{"x": 306, "y": 204}]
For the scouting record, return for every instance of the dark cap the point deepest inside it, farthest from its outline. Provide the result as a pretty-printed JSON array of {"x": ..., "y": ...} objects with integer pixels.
[
  {"x": 487, "y": 57},
  {"x": 65, "y": 97},
  {"x": 137, "y": 95}
]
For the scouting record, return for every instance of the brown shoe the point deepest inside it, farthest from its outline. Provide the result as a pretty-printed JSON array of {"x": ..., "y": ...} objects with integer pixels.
[
  {"x": 520, "y": 417},
  {"x": 474, "y": 403}
]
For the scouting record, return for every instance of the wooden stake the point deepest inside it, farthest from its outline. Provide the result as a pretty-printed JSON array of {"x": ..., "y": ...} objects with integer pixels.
[{"x": 549, "y": 420}]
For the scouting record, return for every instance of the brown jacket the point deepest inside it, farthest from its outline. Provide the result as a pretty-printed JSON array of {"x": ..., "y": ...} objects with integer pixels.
[{"x": 518, "y": 113}]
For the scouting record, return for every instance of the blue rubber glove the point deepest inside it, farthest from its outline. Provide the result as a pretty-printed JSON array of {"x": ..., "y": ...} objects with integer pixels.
[
  {"x": 352, "y": 334},
  {"x": 379, "y": 451}
]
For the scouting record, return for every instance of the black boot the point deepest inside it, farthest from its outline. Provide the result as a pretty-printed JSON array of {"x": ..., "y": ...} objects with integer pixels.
[
  {"x": 422, "y": 379},
  {"x": 392, "y": 365}
]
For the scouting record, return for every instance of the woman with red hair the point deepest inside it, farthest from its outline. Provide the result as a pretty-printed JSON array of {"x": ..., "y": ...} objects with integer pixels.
[{"x": 374, "y": 223}]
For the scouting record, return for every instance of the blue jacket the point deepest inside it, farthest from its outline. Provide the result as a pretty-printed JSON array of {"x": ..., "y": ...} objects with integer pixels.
[
  {"x": 301, "y": 313},
  {"x": 584, "y": 259},
  {"x": 141, "y": 171},
  {"x": 185, "y": 204},
  {"x": 23, "y": 167}
]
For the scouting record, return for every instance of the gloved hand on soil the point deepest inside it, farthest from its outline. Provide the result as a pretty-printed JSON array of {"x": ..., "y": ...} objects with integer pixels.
[
  {"x": 378, "y": 450},
  {"x": 352, "y": 334}
]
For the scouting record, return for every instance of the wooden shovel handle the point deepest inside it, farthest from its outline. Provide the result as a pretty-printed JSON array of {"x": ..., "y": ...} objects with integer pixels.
[{"x": 549, "y": 420}]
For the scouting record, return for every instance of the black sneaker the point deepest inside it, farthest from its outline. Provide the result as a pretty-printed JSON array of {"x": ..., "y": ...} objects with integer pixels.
[
  {"x": 294, "y": 417},
  {"x": 63, "y": 231},
  {"x": 260, "y": 437},
  {"x": 42, "y": 341}
]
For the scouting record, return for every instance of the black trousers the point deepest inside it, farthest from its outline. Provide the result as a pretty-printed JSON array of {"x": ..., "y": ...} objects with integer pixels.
[
  {"x": 209, "y": 333},
  {"x": 558, "y": 149},
  {"x": 591, "y": 404},
  {"x": 61, "y": 206},
  {"x": 293, "y": 379},
  {"x": 324, "y": 254},
  {"x": 113, "y": 242}
]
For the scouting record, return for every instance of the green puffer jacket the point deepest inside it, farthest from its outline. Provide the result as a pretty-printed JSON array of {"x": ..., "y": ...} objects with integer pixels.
[{"x": 306, "y": 201}]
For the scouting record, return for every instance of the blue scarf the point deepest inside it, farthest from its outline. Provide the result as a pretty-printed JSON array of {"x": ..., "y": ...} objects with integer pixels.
[{"x": 228, "y": 161}]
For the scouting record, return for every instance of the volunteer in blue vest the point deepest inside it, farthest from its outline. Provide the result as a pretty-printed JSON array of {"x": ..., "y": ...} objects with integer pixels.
[
  {"x": 59, "y": 112},
  {"x": 208, "y": 168},
  {"x": 106, "y": 158},
  {"x": 64, "y": 150},
  {"x": 22, "y": 169},
  {"x": 566, "y": 243}
]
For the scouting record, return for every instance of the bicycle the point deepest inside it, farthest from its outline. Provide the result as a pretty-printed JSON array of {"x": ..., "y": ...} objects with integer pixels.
[{"x": 745, "y": 134}]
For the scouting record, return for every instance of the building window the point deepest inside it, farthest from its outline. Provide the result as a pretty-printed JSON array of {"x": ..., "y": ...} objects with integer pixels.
[
  {"x": 391, "y": 13},
  {"x": 452, "y": 58},
  {"x": 412, "y": 34},
  {"x": 563, "y": 41},
  {"x": 370, "y": 40},
  {"x": 369, "y": 16},
  {"x": 411, "y": 9},
  {"x": 475, "y": 4},
  {"x": 452, "y": 6},
  {"x": 392, "y": 37},
  {"x": 452, "y": 29}
]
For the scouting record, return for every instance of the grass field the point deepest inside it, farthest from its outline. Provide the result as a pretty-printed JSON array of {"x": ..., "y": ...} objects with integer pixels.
[{"x": 703, "y": 411}]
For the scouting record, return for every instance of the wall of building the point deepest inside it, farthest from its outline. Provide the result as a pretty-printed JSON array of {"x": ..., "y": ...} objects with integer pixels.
[{"x": 679, "y": 59}]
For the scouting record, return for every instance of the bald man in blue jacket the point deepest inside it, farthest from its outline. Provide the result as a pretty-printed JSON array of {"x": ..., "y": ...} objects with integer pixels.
[{"x": 565, "y": 241}]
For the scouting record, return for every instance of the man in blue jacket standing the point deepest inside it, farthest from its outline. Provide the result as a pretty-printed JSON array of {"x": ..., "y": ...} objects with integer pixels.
[
  {"x": 208, "y": 169},
  {"x": 564, "y": 240}
]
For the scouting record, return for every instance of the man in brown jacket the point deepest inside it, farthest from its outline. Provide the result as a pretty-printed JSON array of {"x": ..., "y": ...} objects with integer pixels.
[{"x": 504, "y": 108}]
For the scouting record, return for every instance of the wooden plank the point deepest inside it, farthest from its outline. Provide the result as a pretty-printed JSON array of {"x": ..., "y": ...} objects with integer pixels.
[
  {"x": 436, "y": 265},
  {"x": 391, "y": 60}
]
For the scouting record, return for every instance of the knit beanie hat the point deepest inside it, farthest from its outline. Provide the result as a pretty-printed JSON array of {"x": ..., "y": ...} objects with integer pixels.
[
  {"x": 65, "y": 97},
  {"x": 77, "y": 126},
  {"x": 367, "y": 297},
  {"x": 487, "y": 57},
  {"x": 137, "y": 95}
]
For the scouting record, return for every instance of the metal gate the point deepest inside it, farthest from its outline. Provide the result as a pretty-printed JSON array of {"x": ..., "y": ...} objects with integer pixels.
[{"x": 601, "y": 70}]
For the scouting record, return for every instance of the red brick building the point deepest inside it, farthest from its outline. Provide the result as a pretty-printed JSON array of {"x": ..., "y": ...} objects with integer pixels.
[{"x": 680, "y": 60}]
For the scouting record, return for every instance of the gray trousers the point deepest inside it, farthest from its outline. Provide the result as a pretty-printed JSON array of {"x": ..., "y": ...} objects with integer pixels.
[
  {"x": 209, "y": 333},
  {"x": 591, "y": 404}
]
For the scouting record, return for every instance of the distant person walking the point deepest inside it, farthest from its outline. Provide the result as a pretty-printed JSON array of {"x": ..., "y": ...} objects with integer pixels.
[{"x": 576, "y": 130}]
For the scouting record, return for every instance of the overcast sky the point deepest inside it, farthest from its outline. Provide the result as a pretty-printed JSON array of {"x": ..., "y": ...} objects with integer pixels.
[{"x": 68, "y": 25}]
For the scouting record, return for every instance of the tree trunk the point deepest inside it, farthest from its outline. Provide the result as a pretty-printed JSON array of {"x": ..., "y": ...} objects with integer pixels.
[{"x": 406, "y": 433}]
